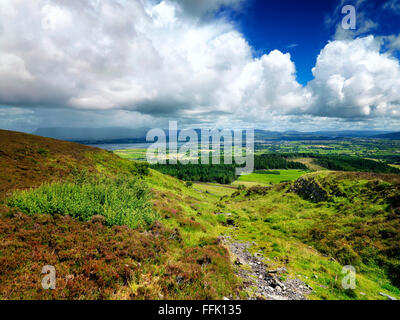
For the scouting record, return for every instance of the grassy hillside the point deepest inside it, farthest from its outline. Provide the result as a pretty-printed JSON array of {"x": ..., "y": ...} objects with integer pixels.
[
  {"x": 28, "y": 161},
  {"x": 111, "y": 228},
  {"x": 355, "y": 222},
  {"x": 114, "y": 229}
]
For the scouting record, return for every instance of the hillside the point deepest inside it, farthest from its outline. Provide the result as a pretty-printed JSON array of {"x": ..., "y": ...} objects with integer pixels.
[
  {"x": 28, "y": 161},
  {"x": 321, "y": 222},
  {"x": 68, "y": 223},
  {"x": 114, "y": 229}
]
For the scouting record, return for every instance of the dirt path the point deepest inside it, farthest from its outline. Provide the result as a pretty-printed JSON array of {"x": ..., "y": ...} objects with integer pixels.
[{"x": 263, "y": 283}]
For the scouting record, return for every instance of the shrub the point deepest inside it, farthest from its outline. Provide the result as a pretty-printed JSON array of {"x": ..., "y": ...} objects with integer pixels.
[
  {"x": 43, "y": 152},
  {"x": 189, "y": 184},
  {"x": 122, "y": 201}
]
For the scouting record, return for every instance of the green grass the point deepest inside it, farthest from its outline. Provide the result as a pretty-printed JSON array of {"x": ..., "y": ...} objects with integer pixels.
[
  {"x": 303, "y": 236},
  {"x": 359, "y": 225},
  {"x": 122, "y": 201},
  {"x": 132, "y": 154},
  {"x": 219, "y": 190},
  {"x": 262, "y": 177}
]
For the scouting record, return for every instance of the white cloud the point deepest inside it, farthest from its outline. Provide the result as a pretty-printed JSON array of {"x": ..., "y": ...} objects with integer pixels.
[
  {"x": 354, "y": 79},
  {"x": 198, "y": 8},
  {"x": 142, "y": 61},
  {"x": 146, "y": 58}
]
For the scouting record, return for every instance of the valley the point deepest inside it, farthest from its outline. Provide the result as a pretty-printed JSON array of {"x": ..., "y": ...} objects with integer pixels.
[{"x": 114, "y": 228}]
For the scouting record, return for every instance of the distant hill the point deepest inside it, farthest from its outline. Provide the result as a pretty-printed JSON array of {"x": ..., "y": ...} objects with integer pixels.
[
  {"x": 318, "y": 135},
  {"x": 93, "y": 135},
  {"x": 138, "y": 135},
  {"x": 391, "y": 136}
]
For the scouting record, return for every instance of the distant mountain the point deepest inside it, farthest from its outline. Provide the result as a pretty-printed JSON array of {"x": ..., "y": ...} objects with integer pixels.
[
  {"x": 318, "y": 135},
  {"x": 129, "y": 135},
  {"x": 391, "y": 136},
  {"x": 94, "y": 135}
]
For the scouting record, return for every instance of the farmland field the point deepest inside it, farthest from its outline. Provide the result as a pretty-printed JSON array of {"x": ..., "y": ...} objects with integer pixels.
[
  {"x": 275, "y": 176},
  {"x": 132, "y": 154}
]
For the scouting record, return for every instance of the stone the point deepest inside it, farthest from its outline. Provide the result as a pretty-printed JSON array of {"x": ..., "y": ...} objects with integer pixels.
[
  {"x": 279, "y": 270},
  {"x": 309, "y": 189},
  {"x": 387, "y": 296}
]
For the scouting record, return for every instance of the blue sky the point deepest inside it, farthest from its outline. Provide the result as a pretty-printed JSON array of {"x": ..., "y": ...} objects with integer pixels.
[
  {"x": 301, "y": 27},
  {"x": 291, "y": 26}
]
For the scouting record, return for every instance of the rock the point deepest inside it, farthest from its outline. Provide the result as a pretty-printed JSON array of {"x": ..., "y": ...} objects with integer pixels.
[
  {"x": 225, "y": 298},
  {"x": 387, "y": 296},
  {"x": 309, "y": 189},
  {"x": 261, "y": 282},
  {"x": 223, "y": 214},
  {"x": 238, "y": 262},
  {"x": 279, "y": 270}
]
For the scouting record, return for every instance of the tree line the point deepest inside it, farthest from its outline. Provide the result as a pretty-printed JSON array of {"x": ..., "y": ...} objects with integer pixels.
[{"x": 223, "y": 173}]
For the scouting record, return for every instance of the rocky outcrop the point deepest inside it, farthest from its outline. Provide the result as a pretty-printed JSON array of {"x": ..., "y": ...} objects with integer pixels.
[{"x": 309, "y": 189}]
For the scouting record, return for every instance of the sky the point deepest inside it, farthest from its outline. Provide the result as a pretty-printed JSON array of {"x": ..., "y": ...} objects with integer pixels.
[{"x": 273, "y": 65}]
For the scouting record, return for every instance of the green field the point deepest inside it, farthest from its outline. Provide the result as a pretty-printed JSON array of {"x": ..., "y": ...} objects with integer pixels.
[
  {"x": 262, "y": 177},
  {"x": 132, "y": 154},
  {"x": 363, "y": 148}
]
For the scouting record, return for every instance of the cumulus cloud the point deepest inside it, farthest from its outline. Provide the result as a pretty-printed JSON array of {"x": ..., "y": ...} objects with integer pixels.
[
  {"x": 199, "y": 8},
  {"x": 137, "y": 56},
  {"x": 354, "y": 79},
  {"x": 141, "y": 61}
]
